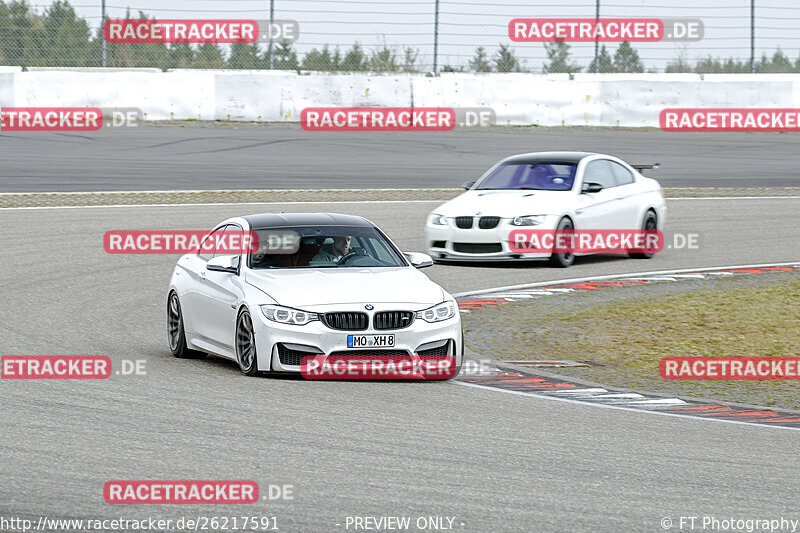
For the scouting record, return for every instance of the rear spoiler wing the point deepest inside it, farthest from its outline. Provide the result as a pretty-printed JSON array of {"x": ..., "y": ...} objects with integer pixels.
[{"x": 654, "y": 166}]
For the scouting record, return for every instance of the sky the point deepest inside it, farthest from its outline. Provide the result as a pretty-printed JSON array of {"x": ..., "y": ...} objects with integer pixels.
[{"x": 466, "y": 25}]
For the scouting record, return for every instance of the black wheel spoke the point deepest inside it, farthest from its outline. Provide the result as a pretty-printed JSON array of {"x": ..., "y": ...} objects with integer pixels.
[
  {"x": 174, "y": 322},
  {"x": 245, "y": 343}
]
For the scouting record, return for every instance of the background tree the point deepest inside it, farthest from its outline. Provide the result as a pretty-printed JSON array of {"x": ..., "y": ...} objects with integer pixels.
[
  {"x": 409, "y": 59},
  {"x": 181, "y": 55},
  {"x": 355, "y": 60},
  {"x": 480, "y": 63},
  {"x": 285, "y": 57},
  {"x": 383, "y": 59},
  {"x": 65, "y": 36},
  {"x": 209, "y": 55},
  {"x": 506, "y": 61},
  {"x": 319, "y": 60},
  {"x": 604, "y": 62},
  {"x": 24, "y": 37},
  {"x": 245, "y": 56},
  {"x": 626, "y": 59},
  {"x": 558, "y": 55},
  {"x": 779, "y": 63}
]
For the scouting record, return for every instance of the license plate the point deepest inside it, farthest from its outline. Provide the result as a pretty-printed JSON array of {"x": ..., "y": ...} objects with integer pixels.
[{"x": 369, "y": 341}]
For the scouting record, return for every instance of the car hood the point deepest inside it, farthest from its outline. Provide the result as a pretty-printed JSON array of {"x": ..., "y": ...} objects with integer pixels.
[
  {"x": 507, "y": 203},
  {"x": 324, "y": 286}
]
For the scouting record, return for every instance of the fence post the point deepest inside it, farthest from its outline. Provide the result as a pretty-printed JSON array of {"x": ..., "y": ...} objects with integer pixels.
[
  {"x": 596, "y": 21},
  {"x": 271, "y": 17},
  {"x": 436, "y": 40},
  {"x": 752, "y": 36},
  {"x": 102, "y": 32}
]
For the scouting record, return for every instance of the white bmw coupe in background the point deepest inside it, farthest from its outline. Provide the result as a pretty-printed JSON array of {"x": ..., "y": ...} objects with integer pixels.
[
  {"x": 339, "y": 287},
  {"x": 544, "y": 190}
]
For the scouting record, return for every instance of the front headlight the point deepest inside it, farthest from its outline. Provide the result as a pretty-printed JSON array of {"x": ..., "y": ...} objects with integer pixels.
[
  {"x": 438, "y": 312},
  {"x": 527, "y": 220},
  {"x": 287, "y": 315},
  {"x": 438, "y": 220}
]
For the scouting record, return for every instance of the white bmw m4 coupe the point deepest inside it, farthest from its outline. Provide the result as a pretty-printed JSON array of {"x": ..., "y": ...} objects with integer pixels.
[
  {"x": 545, "y": 191},
  {"x": 318, "y": 284}
]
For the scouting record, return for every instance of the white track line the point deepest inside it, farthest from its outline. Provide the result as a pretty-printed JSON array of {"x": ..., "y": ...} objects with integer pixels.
[
  {"x": 737, "y": 198},
  {"x": 618, "y": 407},
  {"x": 221, "y": 204},
  {"x": 296, "y": 202},
  {"x": 627, "y": 275}
]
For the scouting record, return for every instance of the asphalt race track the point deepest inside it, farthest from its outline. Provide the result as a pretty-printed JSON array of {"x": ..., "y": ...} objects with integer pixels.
[
  {"x": 494, "y": 461},
  {"x": 230, "y": 156}
]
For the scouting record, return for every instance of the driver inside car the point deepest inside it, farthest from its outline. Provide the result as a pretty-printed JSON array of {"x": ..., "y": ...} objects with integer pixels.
[{"x": 331, "y": 253}]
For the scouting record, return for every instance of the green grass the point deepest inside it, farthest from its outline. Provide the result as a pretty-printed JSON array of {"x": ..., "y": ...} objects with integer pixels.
[{"x": 624, "y": 342}]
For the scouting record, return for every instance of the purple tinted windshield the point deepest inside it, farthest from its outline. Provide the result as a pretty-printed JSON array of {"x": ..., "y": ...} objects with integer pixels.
[{"x": 540, "y": 175}]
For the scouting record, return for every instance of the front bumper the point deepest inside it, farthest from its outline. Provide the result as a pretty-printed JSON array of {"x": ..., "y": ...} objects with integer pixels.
[
  {"x": 278, "y": 345},
  {"x": 450, "y": 243}
]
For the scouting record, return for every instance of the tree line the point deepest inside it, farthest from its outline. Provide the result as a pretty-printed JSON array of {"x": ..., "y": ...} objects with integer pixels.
[{"x": 59, "y": 38}]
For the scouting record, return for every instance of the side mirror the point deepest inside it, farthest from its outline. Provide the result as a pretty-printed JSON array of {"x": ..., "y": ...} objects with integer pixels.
[
  {"x": 468, "y": 184},
  {"x": 591, "y": 187},
  {"x": 419, "y": 260},
  {"x": 224, "y": 263}
]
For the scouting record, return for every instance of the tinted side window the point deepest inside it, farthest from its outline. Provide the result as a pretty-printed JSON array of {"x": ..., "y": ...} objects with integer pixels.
[
  {"x": 206, "y": 254},
  {"x": 600, "y": 172},
  {"x": 623, "y": 175},
  {"x": 228, "y": 228}
]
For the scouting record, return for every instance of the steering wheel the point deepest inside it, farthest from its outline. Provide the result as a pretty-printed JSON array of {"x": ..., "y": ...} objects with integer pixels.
[{"x": 349, "y": 255}]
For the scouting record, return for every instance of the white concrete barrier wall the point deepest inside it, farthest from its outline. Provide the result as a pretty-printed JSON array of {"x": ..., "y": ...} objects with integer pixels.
[{"x": 627, "y": 100}]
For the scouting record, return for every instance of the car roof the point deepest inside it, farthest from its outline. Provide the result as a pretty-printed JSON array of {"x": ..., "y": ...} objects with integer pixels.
[
  {"x": 279, "y": 220},
  {"x": 562, "y": 157}
]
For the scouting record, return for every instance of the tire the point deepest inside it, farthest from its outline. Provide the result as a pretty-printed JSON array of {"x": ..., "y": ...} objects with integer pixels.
[
  {"x": 650, "y": 223},
  {"x": 246, "y": 354},
  {"x": 176, "y": 337},
  {"x": 563, "y": 260}
]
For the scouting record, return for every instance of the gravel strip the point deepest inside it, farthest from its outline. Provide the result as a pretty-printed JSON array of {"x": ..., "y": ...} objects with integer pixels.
[{"x": 61, "y": 199}]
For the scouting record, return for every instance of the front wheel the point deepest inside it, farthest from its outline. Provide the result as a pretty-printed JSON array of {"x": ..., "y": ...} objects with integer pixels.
[
  {"x": 650, "y": 223},
  {"x": 563, "y": 260},
  {"x": 246, "y": 344}
]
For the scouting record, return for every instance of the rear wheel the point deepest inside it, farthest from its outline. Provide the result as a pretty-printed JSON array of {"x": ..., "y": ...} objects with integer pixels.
[
  {"x": 563, "y": 260},
  {"x": 246, "y": 344},
  {"x": 175, "y": 332},
  {"x": 650, "y": 223}
]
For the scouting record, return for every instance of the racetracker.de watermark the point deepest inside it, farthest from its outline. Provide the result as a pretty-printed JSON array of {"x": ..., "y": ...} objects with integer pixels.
[
  {"x": 381, "y": 367},
  {"x": 67, "y": 118},
  {"x": 730, "y": 119},
  {"x": 605, "y": 30},
  {"x": 200, "y": 31},
  {"x": 730, "y": 368},
  {"x": 180, "y": 492},
  {"x": 190, "y": 241},
  {"x": 395, "y": 118},
  {"x": 585, "y": 241}
]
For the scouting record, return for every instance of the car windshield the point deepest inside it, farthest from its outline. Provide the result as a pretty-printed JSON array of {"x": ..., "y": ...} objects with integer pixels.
[
  {"x": 533, "y": 175},
  {"x": 324, "y": 247}
]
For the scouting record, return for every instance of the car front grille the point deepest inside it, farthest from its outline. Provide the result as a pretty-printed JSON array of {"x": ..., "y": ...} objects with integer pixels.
[
  {"x": 349, "y": 321},
  {"x": 464, "y": 222},
  {"x": 392, "y": 319},
  {"x": 288, "y": 356},
  {"x": 477, "y": 247},
  {"x": 488, "y": 222}
]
